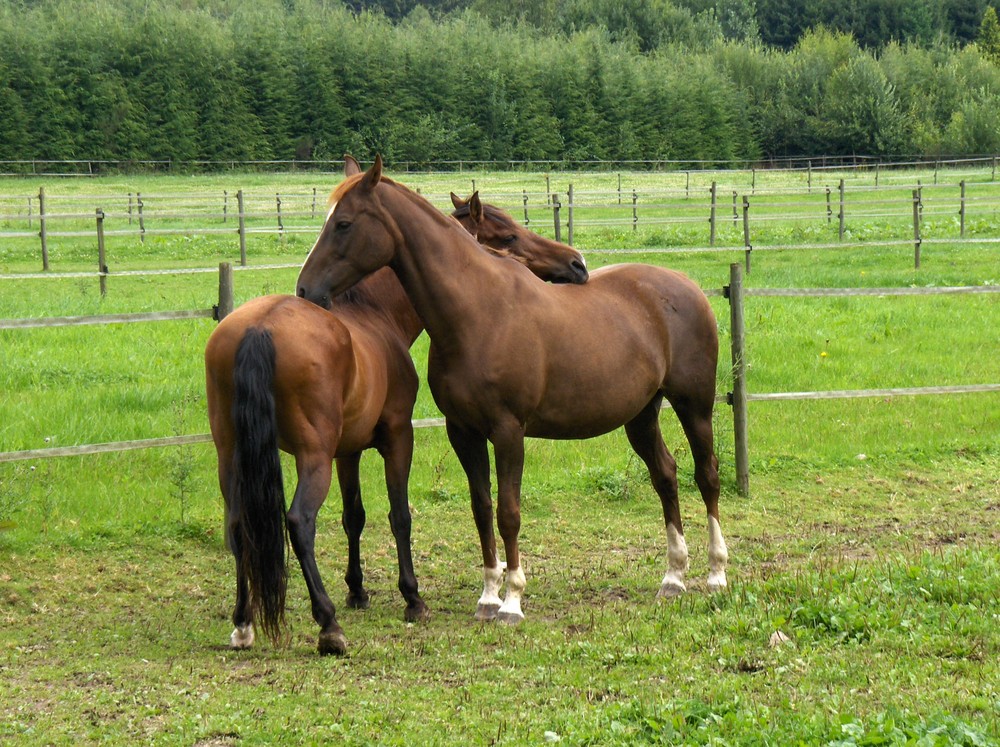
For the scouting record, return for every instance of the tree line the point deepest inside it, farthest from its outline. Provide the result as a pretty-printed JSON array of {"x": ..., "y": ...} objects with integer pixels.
[{"x": 222, "y": 80}]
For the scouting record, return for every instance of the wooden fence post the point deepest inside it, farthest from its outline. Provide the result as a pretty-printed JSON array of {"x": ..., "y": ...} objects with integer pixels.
[
  {"x": 829, "y": 208},
  {"x": 736, "y": 215},
  {"x": 569, "y": 218},
  {"x": 102, "y": 267},
  {"x": 961, "y": 211},
  {"x": 809, "y": 176},
  {"x": 281, "y": 226},
  {"x": 524, "y": 196},
  {"x": 243, "y": 228},
  {"x": 916, "y": 229},
  {"x": 711, "y": 216},
  {"x": 738, "y": 397},
  {"x": 555, "y": 216},
  {"x": 746, "y": 230},
  {"x": 635, "y": 210},
  {"x": 225, "y": 205},
  {"x": 842, "y": 215},
  {"x": 42, "y": 228},
  {"x": 225, "y": 307}
]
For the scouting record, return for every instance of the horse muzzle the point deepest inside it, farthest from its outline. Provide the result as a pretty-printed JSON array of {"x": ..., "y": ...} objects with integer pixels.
[{"x": 316, "y": 296}]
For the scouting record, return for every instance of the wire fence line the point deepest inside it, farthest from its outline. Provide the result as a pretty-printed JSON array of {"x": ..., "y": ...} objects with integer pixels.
[{"x": 738, "y": 398}]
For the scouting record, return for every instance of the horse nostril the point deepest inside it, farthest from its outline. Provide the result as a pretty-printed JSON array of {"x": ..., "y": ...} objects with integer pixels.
[
  {"x": 302, "y": 292},
  {"x": 581, "y": 269}
]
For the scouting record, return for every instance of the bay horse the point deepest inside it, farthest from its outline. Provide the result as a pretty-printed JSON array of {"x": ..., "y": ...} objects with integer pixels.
[
  {"x": 512, "y": 357},
  {"x": 283, "y": 373}
]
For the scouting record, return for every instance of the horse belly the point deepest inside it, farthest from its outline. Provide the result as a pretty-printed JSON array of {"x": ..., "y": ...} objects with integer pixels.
[{"x": 588, "y": 416}]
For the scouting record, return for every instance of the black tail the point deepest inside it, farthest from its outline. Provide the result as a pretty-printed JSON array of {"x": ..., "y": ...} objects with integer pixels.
[{"x": 257, "y": 496}]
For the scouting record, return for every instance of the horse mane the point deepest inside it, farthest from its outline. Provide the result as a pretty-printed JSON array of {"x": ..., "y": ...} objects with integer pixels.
[{"x": 351, "y": 182}]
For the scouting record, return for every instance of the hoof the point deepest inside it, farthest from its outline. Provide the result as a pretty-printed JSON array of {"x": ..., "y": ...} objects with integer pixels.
[
  {"x": 515, "y": 617},
  {"x": 359, "y": 601},
  {"x": 241, "y": 638},
  {"x": 487, "y": 612},
  {"x": 416, "y": 613},
  {"x": 670, "y": 590},
  {"x": 716, "y": 582},
  {"x": 333, "y": 642}
]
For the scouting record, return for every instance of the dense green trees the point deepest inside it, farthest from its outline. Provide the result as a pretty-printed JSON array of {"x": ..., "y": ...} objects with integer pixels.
[{"x": 220, "y": 80}]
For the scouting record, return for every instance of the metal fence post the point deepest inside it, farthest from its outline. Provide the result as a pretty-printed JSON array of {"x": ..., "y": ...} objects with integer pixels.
[
  {"x": 746, "y": 230},
  {"x": 243, "y": 228},
  {"x": 42, "y": 228},
  {"x": 738, "y": 397},
  {"x": 842, "y": 216},
  {"x": 142, "y": 222},
  {"x": 711, "y": 216},
  {"x": 102, "y": 267},
  {"x": 961, "y": 211}
]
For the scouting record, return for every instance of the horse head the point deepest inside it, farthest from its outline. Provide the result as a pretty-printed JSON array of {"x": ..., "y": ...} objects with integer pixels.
[
  {"x": 494, "y": 228},
  {"x": 358, "y": 237}
]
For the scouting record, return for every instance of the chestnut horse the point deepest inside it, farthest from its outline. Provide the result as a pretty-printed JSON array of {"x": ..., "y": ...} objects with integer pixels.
[
  {"x": 283, "y": 373},
  {"x": 511, "y": 357}
]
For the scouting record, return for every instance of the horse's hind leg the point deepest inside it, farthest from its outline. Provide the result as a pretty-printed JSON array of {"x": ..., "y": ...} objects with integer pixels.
[
  {"x": 696, "y": 419},
  {"x": 644, "y": 435},
  {"x": 314, "y": 476},
  {"x": 353, "y": 520},
  {"x": 243, "y": 634}
]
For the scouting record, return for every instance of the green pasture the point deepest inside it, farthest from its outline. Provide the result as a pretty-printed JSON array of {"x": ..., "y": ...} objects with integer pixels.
[{"x": 869, "y": 539}]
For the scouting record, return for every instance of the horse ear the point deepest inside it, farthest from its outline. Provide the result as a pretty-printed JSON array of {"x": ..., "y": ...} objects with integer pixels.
[
  {"x": 457, "y": 201},
  {"x": 374, "y": 175},
  {"x": 476, "y": 207},
  {"x": 351, "y": 165}
]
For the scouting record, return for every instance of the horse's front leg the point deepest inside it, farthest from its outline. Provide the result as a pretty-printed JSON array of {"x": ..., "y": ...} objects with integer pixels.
[
  {"x": 397, "y": 452},
  {"x": 353, "y": 520},
  {"x": 508, "y": 447},
  {"x": 470, "y": 448},
  {"x": 315, "y": 476}
]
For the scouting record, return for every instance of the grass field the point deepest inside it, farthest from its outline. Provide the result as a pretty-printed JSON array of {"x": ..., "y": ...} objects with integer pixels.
[{"x": 869, "y": 540}]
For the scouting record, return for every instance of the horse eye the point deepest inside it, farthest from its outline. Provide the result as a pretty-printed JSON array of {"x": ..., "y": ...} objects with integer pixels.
[
  {"x": 509, "y": 239},
  {"x": 343, "y": 225}
]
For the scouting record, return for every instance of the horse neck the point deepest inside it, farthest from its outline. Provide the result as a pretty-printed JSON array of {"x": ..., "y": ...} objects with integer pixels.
[
  {"x": 384, "y": 299},
  {"x": 447, "y": 275}
]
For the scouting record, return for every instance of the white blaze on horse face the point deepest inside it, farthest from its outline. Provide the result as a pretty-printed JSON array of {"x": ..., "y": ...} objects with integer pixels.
[
  {"x": 718, "y": 555},
  {"x": 329, "y": 215},
  {"x": 677, "y": 564},
  {"x": 242, "y": 637}
]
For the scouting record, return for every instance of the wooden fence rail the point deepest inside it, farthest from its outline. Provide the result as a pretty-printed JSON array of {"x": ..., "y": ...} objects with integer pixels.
[{"x": 738, "y": 398}]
